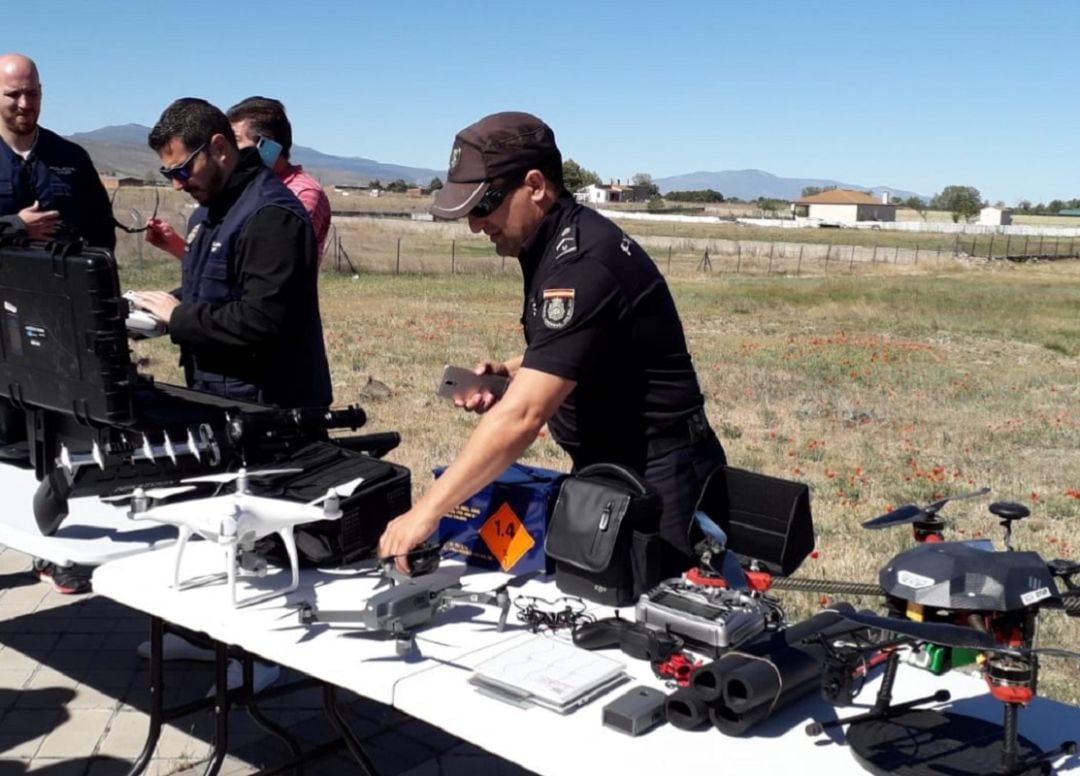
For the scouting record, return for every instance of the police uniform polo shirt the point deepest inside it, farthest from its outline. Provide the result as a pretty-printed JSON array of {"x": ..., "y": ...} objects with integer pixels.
[{"x": 598, "y": 311}]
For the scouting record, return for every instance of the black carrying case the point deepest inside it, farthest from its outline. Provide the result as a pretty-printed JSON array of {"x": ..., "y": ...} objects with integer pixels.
[
  {"x": 64, "y": 343},
  {"x": 385, "y": 493},
  {"x": 603, "y": 535},
  {"x": 766, "y": 519}
]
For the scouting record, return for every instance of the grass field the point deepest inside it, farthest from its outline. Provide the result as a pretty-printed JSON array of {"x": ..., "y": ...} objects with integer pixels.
[{"x": 876, "y": 389}]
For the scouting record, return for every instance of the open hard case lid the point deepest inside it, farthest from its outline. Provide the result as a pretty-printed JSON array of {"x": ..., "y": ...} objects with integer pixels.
[
  {"x": 63, "y": 344},
  {"x": 766, "y": 519}
]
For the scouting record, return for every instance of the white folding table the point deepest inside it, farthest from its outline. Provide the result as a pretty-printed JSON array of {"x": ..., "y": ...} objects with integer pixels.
[
  {"x": 93, "y": 533},
  {"x": 435, "y": 688}
]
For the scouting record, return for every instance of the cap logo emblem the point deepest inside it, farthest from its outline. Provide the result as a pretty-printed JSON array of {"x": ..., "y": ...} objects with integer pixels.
[{"x": 455, "y": 157}]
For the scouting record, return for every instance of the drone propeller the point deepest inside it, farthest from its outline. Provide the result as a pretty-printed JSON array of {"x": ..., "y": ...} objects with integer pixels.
[
  {"x": 344, "y": 490},
  {"x": 911, "y": 513},
  {"x": 154, "y": 494},
  {"x": 945, "y": 634},
  {"x": 226, "y": 477}
]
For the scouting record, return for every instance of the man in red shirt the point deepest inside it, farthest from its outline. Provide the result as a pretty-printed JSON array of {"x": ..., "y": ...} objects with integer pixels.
[{"x": 262, "y": 122}]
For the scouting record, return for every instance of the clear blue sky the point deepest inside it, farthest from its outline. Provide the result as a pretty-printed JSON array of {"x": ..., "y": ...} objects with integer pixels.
[{"x": 916, "y": 95}]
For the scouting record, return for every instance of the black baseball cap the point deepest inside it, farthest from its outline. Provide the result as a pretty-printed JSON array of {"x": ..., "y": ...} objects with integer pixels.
[{"x": 497, "y": 146}]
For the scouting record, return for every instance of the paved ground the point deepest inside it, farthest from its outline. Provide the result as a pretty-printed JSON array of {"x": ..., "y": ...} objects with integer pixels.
[{"x": 73, "y": 700}]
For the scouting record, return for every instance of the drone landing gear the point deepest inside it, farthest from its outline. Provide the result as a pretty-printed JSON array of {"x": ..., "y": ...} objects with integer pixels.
[
  {"x": 926, "y": 742},
  {"x": 903, "y": 739}
]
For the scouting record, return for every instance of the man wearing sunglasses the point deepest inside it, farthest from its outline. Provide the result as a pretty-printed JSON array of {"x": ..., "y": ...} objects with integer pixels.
[
  {"x": 605, "y": 366},
  {"x": 247, "y": 315},
  {"x": 48, "y": 183},
  {"x": 261, "y": 122}
]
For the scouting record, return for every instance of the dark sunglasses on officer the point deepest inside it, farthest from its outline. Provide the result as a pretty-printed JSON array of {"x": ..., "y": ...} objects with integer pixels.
[
  {"x": 182, "y": 172},
  {"x": 494, "y": 196}
]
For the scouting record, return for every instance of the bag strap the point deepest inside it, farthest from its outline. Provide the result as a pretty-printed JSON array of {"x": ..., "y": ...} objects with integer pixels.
[{"x": 618, "y": 472}]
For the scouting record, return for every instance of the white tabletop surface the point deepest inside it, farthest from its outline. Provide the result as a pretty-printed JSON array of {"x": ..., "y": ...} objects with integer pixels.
[
  {"x": 93, "y": 532},
  {"x": 272, "y": 630},
  {"x": 577, "y": 743},
  {"x": 435, "y": 687}
]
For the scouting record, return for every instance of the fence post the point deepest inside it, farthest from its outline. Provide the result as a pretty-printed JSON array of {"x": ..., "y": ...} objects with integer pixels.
[
  {"x": 851, "y": 262},
  {"x": 974, "y": 238},
  {"x": 916, "y": 253},
  {"x": 798, "y": 267},
  {"x": 956, "y": 247},
  {"x": 1041, "y": 238},
  {"x": 896, "y": 256},
  {"x": 772, "y": 247},
  {"x": 397, "y": 263},
  {"x": 1055, "y": 247},
  {"x": 1026, "y": 238},
  {"x": 990, "y": 250},
  {"x": 738, "y": 259},
  {"x": 873, "y": 259},
  {"x": 669, "y": 259},
  {"x": 828, "y": 253},
  {"x": 453, "y": 257},
  {"x": 1008, "y": 242}
]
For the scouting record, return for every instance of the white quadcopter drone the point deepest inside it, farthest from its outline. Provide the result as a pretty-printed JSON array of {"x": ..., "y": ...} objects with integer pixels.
[{"x": 235, "y": 521}]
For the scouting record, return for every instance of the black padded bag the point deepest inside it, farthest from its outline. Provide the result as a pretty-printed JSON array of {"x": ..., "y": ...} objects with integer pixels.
[
  {"x": 603, "y": 535},
  {"x": 384, "y": 494}
]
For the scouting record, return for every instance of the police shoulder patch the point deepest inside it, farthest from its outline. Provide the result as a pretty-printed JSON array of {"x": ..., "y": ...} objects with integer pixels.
[
  {"x": 558, "y": 307},
  {"x": 193, "y": 233},
  {"x": 566, "y": 242}
]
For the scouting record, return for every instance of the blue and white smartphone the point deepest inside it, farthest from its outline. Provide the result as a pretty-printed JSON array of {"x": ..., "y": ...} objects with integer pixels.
[{"x": 269, "y": 150}]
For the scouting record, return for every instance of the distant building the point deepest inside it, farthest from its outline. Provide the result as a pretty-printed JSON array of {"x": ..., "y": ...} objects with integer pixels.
[
  {"x": 347, "y": 190},
  {"x": 1072, "y": 211},
  {"x": 995, "y": 216},
  {"x": 601, "y": 193},
  {"x": 845, "y": 206}
]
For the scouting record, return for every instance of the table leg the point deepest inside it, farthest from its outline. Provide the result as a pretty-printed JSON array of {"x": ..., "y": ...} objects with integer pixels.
[
  {"x": 221, "y": 709},
  {"x": 157, "y": 692},
  {"x": 333, "y": 713},
  {"x": 260, "y": 719}
]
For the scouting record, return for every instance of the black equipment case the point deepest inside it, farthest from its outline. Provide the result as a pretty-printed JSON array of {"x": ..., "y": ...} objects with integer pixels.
[
  {"x": 64, "y": 345},
  {"x": 384, "y": 493}
]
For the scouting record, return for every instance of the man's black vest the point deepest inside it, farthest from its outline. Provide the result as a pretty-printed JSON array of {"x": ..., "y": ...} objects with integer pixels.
[{"x": 289, "y": 372}]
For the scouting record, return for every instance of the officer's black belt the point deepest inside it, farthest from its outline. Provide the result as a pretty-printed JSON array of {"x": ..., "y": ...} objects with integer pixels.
[{"x": 685, "y": 432}]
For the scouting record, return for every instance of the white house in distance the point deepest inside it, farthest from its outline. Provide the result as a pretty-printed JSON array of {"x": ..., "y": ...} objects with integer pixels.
[
  {"x": 995, "y": 216},
  {"x": 844, "y": 206},
  {"x": 602, "y": 193}
]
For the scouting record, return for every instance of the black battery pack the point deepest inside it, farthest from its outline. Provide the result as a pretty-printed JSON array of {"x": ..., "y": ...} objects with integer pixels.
[{"x": 636, "y": 711}]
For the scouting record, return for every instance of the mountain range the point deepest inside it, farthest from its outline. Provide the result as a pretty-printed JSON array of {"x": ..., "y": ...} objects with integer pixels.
[
  {"x": 121, "y": 150},
  {"x": 751, "y": 184}
]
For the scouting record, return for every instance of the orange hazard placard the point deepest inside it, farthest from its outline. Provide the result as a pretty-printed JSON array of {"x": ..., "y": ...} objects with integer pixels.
[{"x": 506, "y": 537}]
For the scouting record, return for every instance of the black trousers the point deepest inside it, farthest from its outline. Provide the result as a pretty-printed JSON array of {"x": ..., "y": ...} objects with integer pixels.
[{"x": 679, "y": 477}]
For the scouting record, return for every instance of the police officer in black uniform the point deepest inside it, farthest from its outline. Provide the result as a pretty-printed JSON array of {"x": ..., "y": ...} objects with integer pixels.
[
  {"x": 247, "y": 314},
  {"x": 606, "y": 364}
]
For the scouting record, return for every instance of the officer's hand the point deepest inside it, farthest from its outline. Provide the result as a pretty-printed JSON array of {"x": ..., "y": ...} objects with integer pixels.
[
  {"x": 160, "y": 303},
  {"x": 404, "y": 533},
  {"x": 160, "y": 234},
  {"x": 40, "y": 224},
  {"x": 482, "y": 401}
]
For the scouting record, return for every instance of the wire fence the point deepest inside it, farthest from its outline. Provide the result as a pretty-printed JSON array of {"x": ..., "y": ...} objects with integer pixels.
[{"x": 417, "y": 253}]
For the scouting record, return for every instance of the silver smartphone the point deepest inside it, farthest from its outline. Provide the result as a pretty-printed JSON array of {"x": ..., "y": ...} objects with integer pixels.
[{"x": 459, "y": 383}]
